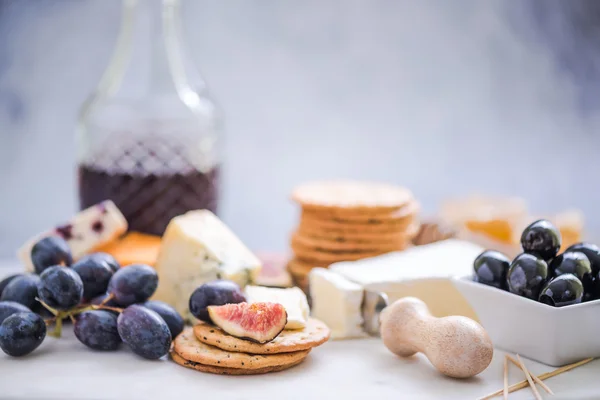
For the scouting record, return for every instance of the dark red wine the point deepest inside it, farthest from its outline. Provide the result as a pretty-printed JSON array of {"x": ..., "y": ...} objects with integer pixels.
[{"x": 149, "y": 200}]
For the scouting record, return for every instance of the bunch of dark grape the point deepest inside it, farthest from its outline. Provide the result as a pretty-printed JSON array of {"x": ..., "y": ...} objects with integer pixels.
[
  {"x": 107, "y": 304},
  {"x": 540, "y": 272}
]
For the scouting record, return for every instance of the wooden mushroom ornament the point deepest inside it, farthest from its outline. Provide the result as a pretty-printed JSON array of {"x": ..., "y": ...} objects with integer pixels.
[{"x": 457, "y": 346}]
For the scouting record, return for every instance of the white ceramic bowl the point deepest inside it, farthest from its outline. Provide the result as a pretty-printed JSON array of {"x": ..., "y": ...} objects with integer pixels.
[{"x": 554, "y": 336}]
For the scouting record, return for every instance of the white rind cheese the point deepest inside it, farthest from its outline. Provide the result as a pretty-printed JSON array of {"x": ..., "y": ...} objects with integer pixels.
[
  {"x": 337, "y": 302},
  {"x": 424, "y": 272},
  {"x": 85, "y": 232},
  {"x": 197, "y": 248},
  {"x": 292, "y": 299}
]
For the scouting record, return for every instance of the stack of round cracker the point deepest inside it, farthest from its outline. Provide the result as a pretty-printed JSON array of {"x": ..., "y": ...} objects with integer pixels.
[
  {"x": 347, "y": 221},
  {"x": 207, "y": 348}
]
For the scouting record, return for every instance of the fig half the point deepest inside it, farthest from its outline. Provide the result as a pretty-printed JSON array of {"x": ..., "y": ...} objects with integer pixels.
[{"x": 258, "y": 322}]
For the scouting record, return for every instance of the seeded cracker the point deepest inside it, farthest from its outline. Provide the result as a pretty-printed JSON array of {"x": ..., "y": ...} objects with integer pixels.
[
  {"x": 314, "y": 334},
  {"x": 187, "y": 346},
  {"x": 308, "y": 243},
  {"x": 351, "y": 196},
  {"x": 229, "y": 371}
]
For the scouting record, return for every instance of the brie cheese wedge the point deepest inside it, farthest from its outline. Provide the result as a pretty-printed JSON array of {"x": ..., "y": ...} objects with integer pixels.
[
  {"x": 424, "y": 272},
  {"x": 337, "y": 302}
]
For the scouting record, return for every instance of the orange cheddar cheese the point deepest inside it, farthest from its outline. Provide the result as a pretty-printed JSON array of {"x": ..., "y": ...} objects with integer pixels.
[{"x": 134, "y": 248}]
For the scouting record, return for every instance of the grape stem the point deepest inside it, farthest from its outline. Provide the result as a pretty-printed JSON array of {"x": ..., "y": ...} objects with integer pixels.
[
  {"x": 101, "y": 307},
  {"x": 47, "y": 307},
  {"x": 107, "y": 299},
  {"x": 60, "y": 315}
]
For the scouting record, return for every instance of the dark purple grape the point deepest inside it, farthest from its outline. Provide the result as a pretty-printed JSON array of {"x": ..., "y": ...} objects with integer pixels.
[
  {"x": 215, "y": 293},
  {"x": 133, "y": 284},
  {"x": 527, "y": 275},
  {"x": 563, "y": 290},
  {"x": 50, "y": 251},
  {"x": 144, "y": 331},
  {"x": 60, "y": 288},
  {"x": 168, "y": 314},
  {"x": 8, "y": 308},
  {"x": 591, "y": 251},
  {"x": 4, "y": 282},
  {"x": 22, "y": 333},
  {"x": 541, "y": 238},
  {"x": 575, "y": 263},
  {"x": 95, "y": 275},
  {"x": 97, "y": 329},
  {"x": 491, "y": 268},
  {"x": 105, "y": 258},
  {"x": 23, "y": 290}
]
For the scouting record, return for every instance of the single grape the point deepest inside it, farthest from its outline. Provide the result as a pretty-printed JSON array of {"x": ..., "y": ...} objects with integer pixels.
[
  {"x": 22, "y": 333},
  {"x": 23, "y": 290},
  {"x": 215, "y": 293},
  {"x": 95, "y": 275},
  {"x": 50, "y": 251},
  {"x": 144, "y": 331},
  {"x": 133, "y": 284},
  {"x": 97, "y": 329},
  {"x": 168, "y": 314},
  {"x": 105, "y": 258},
  {"x": 60, "y": 288},
  {"x": 4, "y": 282},
  {"x": 8, "y": 308}
]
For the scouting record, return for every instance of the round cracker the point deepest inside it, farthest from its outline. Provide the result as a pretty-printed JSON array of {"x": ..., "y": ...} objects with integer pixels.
[
  {"x": 406, "y": 227},
  {"x": 314, "y": 334},
  {"x": 229, "y": 371},
  {"x": 301, "y": 241},
  {"x": 190, "y": 348},
  {"x": 318, "y": 257},
  {"x": 352, "y": 237},
  {"x": 351, "y": 195},
  {"x": 399, "y": 216}
]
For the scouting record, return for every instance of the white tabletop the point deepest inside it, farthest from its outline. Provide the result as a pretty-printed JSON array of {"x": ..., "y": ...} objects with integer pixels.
[{"x": 352, "y": 369}]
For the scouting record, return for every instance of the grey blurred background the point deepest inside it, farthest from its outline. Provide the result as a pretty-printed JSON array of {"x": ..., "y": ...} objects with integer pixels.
[{"x": 445, "y": 97}]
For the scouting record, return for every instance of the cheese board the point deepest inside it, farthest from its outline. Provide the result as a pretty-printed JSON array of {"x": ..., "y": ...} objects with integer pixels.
[{"x": 388, "y": 314}]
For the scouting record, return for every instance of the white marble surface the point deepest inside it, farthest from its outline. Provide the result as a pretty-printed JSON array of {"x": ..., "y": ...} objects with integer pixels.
[
  {"x": 353, "y": 369},
  {"x": 444, "y": 97}
]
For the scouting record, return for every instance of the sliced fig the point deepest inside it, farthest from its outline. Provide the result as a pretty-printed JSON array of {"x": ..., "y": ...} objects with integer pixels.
[{"x": 258, "y": 322}]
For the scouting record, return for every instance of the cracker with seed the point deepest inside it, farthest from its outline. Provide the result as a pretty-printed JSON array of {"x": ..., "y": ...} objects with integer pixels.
[
  {"x": 230, "y": 371},
  {"x": 413, "y": 207},
  {"x": 409, "y": 226},
  {"x": 398, "y": 217},
  {"x": 190, "y": 348},
  {"x": 319, "y": 257},
  {"x": 305, "y": 242},
  {"x": 351, "y": 196},
  {"x": 288, "y": 342},
  {"x": 353, "y": 237}
]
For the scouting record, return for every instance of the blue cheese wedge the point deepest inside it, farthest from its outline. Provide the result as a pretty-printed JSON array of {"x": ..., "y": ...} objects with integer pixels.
[
  {"x": 337, "y": 302},
  {"x": 292, "y": 299},
  {"x": 198, "y": 247}
]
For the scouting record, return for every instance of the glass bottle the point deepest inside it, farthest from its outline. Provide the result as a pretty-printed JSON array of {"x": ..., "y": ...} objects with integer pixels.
[{"x": 147, "y": 136}]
